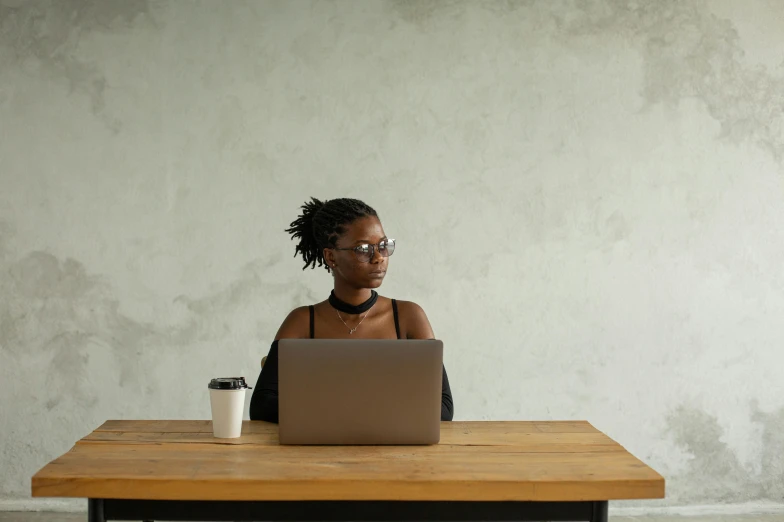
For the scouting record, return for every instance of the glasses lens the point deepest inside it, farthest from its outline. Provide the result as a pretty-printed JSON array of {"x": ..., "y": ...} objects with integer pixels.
[
  {"x": 364, "y": 252},
  {"x": 387, "y": 248}
]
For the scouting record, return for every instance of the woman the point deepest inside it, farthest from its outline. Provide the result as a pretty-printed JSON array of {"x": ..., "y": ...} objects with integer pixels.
[{"x": 345, "y": 236}]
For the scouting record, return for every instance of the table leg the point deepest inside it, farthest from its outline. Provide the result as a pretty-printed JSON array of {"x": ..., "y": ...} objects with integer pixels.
[
  {"x": 600, "y": 511},
  {"x": 95, "y": 511}
]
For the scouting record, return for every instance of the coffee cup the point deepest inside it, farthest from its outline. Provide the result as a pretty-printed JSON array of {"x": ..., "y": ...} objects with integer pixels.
[{"x": 227, "y": 402}]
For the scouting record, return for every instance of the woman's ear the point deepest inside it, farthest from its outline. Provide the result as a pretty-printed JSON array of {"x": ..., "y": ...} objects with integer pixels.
[{"x": 329, "y": 257}]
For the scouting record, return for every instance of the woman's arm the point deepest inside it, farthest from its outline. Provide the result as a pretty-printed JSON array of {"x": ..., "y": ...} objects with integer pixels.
[
  {"x": 264, "y": 402},
  {"x": 417, "y": 326}
]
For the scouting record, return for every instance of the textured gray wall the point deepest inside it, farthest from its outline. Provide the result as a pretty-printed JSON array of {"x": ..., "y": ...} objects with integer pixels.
[{"x": 587, "y": 196}]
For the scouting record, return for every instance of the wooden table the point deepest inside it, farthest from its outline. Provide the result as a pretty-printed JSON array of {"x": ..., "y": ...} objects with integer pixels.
[{"x": 481, "y": 471}]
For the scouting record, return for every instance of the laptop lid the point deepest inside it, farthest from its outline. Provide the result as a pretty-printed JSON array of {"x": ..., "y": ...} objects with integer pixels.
[{"x": 359, "y": 391}]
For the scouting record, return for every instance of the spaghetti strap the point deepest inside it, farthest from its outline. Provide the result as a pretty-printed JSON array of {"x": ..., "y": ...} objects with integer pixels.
[
  {"x": 312, "y": 322},
  {"x": 397, "y": 321}
]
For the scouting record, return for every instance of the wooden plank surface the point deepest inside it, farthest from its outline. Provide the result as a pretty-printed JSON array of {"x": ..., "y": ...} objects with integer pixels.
[
  {"x": 458, "y": 434},
  {"x": 535, "y": 442},
  {"x": 180, "y": 460},
  {"x": 205, "y": 426}
]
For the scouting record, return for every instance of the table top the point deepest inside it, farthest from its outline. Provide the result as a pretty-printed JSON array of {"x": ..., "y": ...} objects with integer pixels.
[{"x": 475, "y": 461}]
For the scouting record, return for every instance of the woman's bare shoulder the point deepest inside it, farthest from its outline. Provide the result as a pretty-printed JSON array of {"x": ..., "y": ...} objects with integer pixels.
[
  {"x": 296, "y": 325},
  {"x": 414, "y": 321}
]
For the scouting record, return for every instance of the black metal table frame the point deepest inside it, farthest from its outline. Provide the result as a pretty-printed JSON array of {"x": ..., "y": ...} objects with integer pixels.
[{"x": 101, "y": 510}]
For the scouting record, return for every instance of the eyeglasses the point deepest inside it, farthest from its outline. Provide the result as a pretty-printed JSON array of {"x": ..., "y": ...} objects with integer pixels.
[{"x": 365, "y": 252}]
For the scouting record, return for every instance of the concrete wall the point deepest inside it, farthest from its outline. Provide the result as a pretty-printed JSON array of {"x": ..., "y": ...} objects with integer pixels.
[{"x": 587, "y": 198}]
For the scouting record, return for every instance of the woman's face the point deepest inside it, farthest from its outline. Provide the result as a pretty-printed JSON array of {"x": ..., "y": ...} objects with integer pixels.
[{"x": 359, "y": 268}]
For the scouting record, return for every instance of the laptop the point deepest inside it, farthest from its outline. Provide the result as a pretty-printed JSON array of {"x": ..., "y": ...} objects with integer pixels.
[{"x": 359, "y": 391}]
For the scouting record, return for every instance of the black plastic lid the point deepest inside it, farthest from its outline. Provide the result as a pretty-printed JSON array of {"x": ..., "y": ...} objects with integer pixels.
[{"x": 228, "y": 383}]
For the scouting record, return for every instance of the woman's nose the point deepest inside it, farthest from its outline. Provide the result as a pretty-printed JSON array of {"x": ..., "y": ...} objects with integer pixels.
[{"x": 377, "y": 257}]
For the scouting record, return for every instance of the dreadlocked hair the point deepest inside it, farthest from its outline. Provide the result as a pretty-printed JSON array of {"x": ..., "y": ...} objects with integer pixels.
[{"x": 321, "y": 224}]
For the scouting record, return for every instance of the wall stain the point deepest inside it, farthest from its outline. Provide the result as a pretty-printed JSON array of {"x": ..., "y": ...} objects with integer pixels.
[
  {"x": 5, "y": 240},
  {"x": 69, "y": 368},
  {"x": 41, "y": 37},
  {"x": 689, "y": 53},
  {"x": 250, "y": 283},
  {"x": 55, "y": 308},
  {"x": 422, "y": 13},
  {"x": 715, "y": 474},
  {"x": 12, "y": 4},
  {"x": 772, "y": 458},
  {"x": 248, "y": 289},
  {"x": 41, "y": 275}
]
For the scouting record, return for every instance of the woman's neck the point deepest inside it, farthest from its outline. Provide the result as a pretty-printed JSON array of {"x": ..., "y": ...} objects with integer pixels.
[{"x": 352, "y": 296}]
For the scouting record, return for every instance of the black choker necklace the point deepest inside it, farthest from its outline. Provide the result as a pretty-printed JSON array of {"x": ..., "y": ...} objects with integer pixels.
[{"x": 342, "y": 306}]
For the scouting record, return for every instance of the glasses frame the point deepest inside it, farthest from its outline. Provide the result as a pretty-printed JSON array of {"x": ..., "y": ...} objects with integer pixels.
[{"x": 373, "y": 248}]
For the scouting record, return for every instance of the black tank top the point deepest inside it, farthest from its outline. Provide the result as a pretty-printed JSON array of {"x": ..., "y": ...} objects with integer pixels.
[
  {"x": 313, "y": 320},
  {"x": 264, "y": 402}
]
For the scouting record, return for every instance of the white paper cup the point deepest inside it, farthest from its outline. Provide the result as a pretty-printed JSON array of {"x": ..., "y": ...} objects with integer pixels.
[{"x": 227, "y": 402}]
